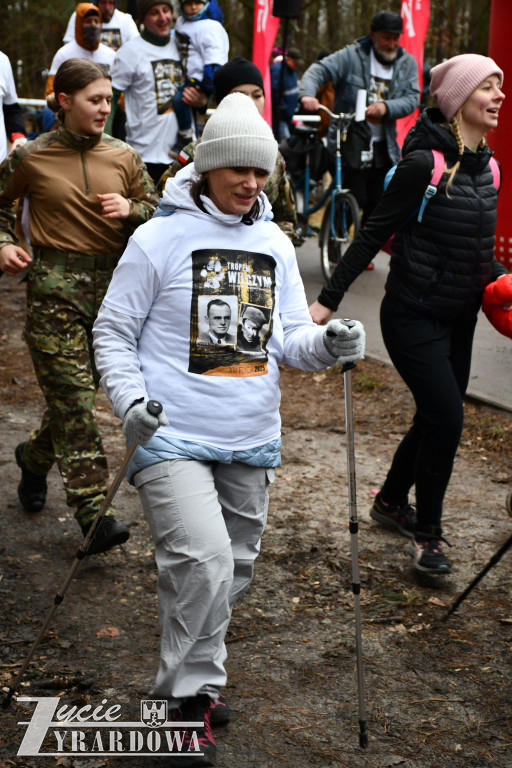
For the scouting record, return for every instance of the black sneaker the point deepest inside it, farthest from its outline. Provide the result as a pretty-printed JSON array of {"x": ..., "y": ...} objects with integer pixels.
[
  {"x": 401, "y": 519},
  {"x": 220, "y": 714},
  {"x": 32, "y": 488},
  {"x": 426, "y": 549},
  {"x": 108, "y": 534},
  {"x": 198, "y": 747}
]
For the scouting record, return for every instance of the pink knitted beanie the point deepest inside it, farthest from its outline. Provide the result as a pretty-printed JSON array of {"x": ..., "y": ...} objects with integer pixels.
[{"x": 456, "y": 79}]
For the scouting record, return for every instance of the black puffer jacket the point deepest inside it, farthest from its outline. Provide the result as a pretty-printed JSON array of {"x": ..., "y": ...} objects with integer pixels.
[{"x": 441, "y": 265}]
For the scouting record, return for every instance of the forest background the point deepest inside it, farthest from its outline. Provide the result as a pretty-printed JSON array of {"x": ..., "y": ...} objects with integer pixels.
[{"x": 31, "y": 30}]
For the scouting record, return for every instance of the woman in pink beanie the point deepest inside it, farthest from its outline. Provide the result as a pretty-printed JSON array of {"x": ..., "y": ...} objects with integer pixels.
[{"x": 440, "y": 264}]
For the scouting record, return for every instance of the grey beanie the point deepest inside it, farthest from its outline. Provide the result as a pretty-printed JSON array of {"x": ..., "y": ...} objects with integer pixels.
[{"x": 236, "y": 136}]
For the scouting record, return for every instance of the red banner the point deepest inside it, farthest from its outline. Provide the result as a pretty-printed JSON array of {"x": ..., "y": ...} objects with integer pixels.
[
  {"x": 416, "y": 17},
  {"x": 499, "y": 141},
  {"x": 264, "y": 35}
]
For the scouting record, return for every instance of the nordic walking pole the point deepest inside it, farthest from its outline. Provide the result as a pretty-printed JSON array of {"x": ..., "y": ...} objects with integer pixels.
[
  {"x": 154, "y": 408},
  {"x": 353, "y": 528},
  {"x": 494, "y": 559}
]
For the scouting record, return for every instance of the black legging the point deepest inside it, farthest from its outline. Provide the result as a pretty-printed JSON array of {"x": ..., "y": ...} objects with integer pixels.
[{"x": 434, "y": 359}]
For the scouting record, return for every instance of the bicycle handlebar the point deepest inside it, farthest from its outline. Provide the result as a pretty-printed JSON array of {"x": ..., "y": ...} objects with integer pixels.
[
  {"x": 306, "y": 118},
  {"x": 341, "y": 116},
  {"x": 311, "y": 118}
]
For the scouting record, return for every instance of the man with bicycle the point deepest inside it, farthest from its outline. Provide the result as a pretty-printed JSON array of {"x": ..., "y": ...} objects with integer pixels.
[{"x": 377, "y": 64}]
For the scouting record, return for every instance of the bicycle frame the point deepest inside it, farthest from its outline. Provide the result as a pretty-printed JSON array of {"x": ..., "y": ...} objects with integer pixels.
[
  {"x": 336, "y": 186},
  {"x": 342, "y": 122}
]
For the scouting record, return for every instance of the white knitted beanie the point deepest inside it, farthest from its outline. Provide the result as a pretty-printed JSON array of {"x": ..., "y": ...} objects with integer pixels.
[
  {"x": 453, "y": 81},
  {"x": 236, "y": 136}
]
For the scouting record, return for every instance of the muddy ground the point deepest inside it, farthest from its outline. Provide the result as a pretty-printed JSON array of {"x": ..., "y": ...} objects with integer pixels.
[{"x": 437, "y": 694}]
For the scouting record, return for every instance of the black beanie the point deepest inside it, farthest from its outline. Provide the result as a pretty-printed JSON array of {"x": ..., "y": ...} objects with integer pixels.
[{"x": 238, "y": 71}]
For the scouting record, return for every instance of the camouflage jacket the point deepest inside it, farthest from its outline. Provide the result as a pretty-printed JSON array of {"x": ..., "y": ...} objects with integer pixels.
[
  {"x": 62, "y": 173},
  {"x": 277, "y": 189}
]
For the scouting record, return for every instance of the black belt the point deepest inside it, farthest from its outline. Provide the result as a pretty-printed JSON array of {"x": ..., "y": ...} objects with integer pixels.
[{"x": 104, "y": 262}]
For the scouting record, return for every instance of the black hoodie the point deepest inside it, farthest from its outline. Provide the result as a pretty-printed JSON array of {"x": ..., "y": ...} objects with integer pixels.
[{"x": 441, "y": 265}]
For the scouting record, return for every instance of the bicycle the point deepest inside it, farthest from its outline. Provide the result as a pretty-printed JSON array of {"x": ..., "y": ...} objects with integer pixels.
[{"x": 341, "y": 218}]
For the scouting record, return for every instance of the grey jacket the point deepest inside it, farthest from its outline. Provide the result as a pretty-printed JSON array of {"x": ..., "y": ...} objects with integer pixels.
[{"x": 349, "y": 69}]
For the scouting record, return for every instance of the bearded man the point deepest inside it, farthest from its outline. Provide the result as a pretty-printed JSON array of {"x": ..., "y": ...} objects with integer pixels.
[{"x": 378, "y": 65}]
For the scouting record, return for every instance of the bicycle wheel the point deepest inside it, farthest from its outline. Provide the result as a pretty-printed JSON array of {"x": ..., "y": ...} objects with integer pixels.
[{"x": 335, "y": 240}]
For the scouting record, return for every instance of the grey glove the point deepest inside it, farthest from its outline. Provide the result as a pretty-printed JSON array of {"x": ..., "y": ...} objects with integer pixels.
[
  {"x": 140, "y": 425},
  {"x": 345, "y": 340}
]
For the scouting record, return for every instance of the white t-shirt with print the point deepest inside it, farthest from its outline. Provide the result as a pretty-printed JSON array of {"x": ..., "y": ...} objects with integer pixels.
[
  {"x": 201, "y": 43},
  {"x": 7, "y": 96},
  {"x": 380, "y": 79},
  {"x": 149, "y": 75},
  {"x": 102, "y": 55},
  {"x": 114, "y": 33}
]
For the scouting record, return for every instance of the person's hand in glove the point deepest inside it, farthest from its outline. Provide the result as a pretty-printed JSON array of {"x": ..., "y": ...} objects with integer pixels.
[
  {"x": 140, "y": 425},
  {"x": 345, "y": 340}
]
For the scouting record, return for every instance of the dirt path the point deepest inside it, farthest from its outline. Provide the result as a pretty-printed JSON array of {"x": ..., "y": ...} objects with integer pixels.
[{"x": 438, "y": 695}]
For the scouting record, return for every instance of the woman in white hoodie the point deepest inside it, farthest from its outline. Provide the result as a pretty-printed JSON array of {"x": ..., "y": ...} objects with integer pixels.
[{"x": 203, "y": 477}]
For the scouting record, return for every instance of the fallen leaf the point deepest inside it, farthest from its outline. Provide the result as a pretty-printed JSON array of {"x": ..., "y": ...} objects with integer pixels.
[{"x": 108, "y": 632}]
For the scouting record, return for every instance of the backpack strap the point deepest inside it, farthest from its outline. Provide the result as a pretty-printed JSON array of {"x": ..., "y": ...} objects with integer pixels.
[
  {"x": 434, "y": 181},
  {"x": 495, "y": 170}
]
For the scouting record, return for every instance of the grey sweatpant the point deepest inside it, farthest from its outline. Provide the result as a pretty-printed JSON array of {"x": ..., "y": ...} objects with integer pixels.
[{"x": 206, "y": 520}]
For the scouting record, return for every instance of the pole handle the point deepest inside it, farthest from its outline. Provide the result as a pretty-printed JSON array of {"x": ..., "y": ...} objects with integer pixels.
[{"x": 154, "y": 407}]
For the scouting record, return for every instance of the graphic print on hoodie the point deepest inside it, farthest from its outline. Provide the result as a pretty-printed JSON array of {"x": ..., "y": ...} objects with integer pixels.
[{"x": 228, "y": 286}]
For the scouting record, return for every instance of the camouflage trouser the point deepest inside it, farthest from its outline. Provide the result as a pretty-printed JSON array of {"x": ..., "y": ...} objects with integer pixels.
[{"x": 62, "y": 304}]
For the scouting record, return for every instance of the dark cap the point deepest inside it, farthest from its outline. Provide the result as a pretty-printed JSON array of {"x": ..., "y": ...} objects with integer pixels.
[
  {"x": 387, "y": 21},
  {"x": 295, "y": 54},
  {"x": 237, "y": 71}
]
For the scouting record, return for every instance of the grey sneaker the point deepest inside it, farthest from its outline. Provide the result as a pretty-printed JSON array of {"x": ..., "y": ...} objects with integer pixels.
[{"x": 401, "y": 519}]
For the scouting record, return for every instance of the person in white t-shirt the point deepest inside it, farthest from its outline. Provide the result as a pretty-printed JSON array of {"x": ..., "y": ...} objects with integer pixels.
[
  {"x": 203, "y": 477},
  {"x": 11, "y": 122},
  {"x": 117, "y": 27},
  {"x": 377, "y": 64},
  {"x": 148, "y": 71},
  {"x": 86, "y": 44},
  {"x": 203, "y": 44}
]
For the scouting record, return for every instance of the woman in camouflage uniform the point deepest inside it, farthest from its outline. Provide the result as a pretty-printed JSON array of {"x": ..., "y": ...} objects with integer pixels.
[
  {"x": 242, "y": 76},
  {"x": 86, "y": 192}
]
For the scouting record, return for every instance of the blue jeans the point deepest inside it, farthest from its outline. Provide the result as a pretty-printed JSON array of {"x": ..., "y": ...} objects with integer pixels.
[{"x": 181, "y": 110}]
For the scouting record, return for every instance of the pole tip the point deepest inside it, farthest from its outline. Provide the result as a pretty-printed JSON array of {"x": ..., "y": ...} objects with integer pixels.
[{"x": 8, "y": 698}]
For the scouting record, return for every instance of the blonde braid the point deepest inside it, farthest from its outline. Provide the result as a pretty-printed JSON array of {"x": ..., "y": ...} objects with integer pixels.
[{"x": 453, "y": 125}]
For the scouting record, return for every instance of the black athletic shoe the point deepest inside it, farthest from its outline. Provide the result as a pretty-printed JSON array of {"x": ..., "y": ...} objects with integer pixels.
[
  {"x": 401, "y": 519},
  {"x": 32, "y": 488},
  {"x": 220, "y": 714},
  {"x": 108, "y": 534},
  {"x": 426, "y": 549},
  {"x": 198, "y": 747}
]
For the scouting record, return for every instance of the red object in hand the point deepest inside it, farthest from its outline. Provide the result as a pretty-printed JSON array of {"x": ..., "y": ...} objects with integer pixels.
[{"x": 497, "y": 304}]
